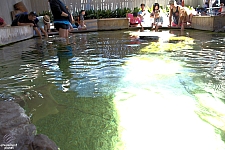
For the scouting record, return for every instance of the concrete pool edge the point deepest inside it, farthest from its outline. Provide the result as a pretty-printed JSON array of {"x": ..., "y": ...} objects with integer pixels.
[
  {"x": 14, "y": 34},
  {"x": 208, "y": 23},
  {"x": 11, "y": 34},
  {"x": 19, "y": 33}
]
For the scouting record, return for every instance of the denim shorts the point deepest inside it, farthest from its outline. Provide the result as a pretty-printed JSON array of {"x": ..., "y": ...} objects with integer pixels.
[
  {"x": 160, "y": 19},
  {"x": 61, "y": 25}
]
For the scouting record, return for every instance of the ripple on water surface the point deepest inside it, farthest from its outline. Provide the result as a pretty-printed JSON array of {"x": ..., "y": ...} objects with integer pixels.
[{"x": 108, "y": 89}]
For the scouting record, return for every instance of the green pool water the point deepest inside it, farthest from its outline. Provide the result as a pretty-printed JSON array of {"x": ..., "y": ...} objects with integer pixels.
[{"x": 111, "y": 91}]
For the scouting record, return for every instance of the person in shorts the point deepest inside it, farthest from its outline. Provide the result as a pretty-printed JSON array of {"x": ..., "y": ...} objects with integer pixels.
[
  {"x": 158, "y": 19},
  {"x": 177, "y": 15},
  {"x": 61, "y": 18}
]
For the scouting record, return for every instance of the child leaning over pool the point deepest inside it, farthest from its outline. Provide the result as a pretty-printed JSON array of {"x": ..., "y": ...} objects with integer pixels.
[
  {"x": 82, "y": 25},
  {"x": 135, "y": 21},
  {"x": 156, "y": 14}
]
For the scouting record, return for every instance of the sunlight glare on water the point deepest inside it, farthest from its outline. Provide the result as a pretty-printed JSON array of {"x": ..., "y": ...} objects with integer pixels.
[
  {"x": 111, "y": 91},
  {"x": 157, "y": 113}
]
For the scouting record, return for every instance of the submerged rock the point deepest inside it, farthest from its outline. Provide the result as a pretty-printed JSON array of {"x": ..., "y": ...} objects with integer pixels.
[
  {"x": 16, "y": 131},
  {"x": 43, "y": 142}
]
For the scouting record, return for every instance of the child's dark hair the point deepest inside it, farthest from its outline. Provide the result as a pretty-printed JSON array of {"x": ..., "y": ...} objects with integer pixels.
[
  {"x": 135, "y": 14},
  {"x": 33, "y": 13},
  {"x": 156, "y": 4},
  {"x": 82, "y": 11}
]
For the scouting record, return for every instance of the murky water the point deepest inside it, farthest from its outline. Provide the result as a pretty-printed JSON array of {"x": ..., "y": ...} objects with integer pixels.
[{"x": 111, "y": 91}]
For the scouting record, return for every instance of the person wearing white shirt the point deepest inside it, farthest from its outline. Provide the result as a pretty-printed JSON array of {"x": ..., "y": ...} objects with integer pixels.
[
  {"x": 145, "y": 16},
  {"x": 44, "y": 24}
]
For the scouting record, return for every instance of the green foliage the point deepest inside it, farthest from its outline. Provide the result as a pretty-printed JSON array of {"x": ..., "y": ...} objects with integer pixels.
[
  {"x": 191, "y": 7},
  {"x": 90, "y": 14},
  {"x": 122, "y": 12},
  {"x": 98, "y": 14},
  {"x": 136, "y": 9},
  {"x": 118, "y": 13},
  {"x": 166, "y": 9},
  {"x": 49, "y": 13},
  {"x": 150, "y": 9}
]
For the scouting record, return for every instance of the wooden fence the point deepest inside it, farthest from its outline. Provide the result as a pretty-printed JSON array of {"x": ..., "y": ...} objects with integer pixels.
[
  {"x": 77, "y": 5},
  {"x": 6, "y": 6}
]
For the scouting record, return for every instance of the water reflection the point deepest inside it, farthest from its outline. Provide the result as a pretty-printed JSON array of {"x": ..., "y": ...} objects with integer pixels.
[{"x": 110, "y": 91}]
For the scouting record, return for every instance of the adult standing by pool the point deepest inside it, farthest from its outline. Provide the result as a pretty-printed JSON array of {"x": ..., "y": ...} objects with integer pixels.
[
  {"x": 178, "y": 14},
  {"x": 61, "y": 18}
]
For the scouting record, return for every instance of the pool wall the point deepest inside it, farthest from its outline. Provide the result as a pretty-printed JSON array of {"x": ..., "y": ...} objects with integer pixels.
[
  {"x": 209, "y": 23},
  {"x": 107, "y": 24},
  {"x": 14, "y": 34},
  {"x": 18, "y": 33},
  {"x": 113, "y": 23}
]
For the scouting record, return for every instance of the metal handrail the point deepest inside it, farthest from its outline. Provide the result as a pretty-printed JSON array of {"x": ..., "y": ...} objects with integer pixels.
[{"x": 211, "y": 13}]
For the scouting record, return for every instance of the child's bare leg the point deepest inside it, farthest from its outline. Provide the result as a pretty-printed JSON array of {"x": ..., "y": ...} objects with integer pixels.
[
  {"x": 182, "y": 18},
  {"x": 156, "y": 27}
]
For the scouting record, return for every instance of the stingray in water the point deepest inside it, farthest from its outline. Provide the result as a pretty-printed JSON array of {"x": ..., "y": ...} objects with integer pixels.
[{"x": 41, "y": 103}]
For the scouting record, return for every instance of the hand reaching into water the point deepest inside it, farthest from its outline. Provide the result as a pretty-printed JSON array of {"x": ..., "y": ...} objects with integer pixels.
[{"x": 31, "y": 24}]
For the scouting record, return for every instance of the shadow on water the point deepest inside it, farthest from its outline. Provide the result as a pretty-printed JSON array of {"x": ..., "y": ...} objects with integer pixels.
[
  {"x": 110, "y": 91},
  {"x": 85, "y": 116},
  {"x": 86, "y": 122}
]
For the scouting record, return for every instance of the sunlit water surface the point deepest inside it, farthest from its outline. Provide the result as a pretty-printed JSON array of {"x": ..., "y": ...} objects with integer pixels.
[{"x": 112, "y": 91}]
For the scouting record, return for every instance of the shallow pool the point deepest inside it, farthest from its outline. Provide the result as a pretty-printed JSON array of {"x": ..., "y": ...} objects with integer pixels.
[{"x": 111, "y": 91}]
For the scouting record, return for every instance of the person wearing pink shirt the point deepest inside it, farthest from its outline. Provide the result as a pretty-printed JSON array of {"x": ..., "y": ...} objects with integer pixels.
[
  {"x": 222, "y": 9},
  {"x": 2, "y": 22},
  {"x": 135, "y": 21}
]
